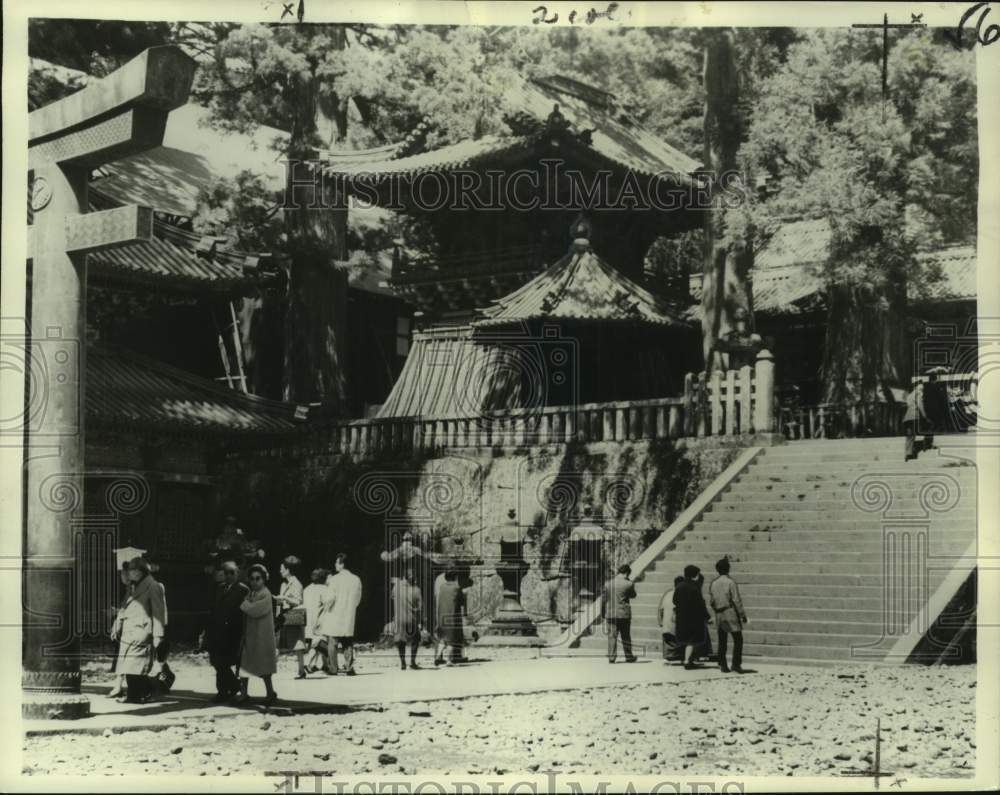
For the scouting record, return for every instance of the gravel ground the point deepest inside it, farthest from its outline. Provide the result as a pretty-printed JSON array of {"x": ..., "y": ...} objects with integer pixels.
[{"x": 820, "y": 721}]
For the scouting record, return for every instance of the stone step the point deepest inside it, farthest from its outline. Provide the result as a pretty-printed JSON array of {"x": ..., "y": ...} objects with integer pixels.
[
  {"x": 806, "y": 475},
  {"x": 798, "y": 521},
  {"x": 816, "y": 596},
  {"x": 833, "y": 550},
  {"x": 762, "y": 651},
  {"x": 889, "y": 450},
  {"x": 817, "y": 501},
  {"x": 820, "y": 490},
  {"x": 804, "y": 534},
  {"x": 871, "y": 568},
  {"x": 651, "y": 637},
  {"x": 828, "y": 640},
  {"x": 782, "y": 512},
  {"x": 863, "y": 462},
  {"x": 647, "y": 614}
]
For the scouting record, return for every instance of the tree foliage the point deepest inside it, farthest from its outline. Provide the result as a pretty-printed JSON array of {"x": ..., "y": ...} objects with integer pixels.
[
  {"x": 813, "y": 140},
  {"x": 890, "y": 179}
]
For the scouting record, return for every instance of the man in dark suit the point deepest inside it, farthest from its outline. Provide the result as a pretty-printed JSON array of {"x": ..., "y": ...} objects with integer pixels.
[
  {"x": 692, "y": 614},
  {"x": 225, "y": 631},
  {"x": 618, "y": 592}
]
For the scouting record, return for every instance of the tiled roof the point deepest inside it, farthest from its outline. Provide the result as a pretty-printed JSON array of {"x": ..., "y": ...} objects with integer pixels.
[
  {"x": 170, "y": 262},
  {"x": 613, "y": 137},
  {"x": 126, "y": 389},
  {"x": 803, "y": 242},
  {"x": 787, "y": 276},
  {"x": 625, "y": 145},
  {"x": 958, "y": 267},
  {"x": 449, "y": 374},
  {"x": 460, "y": 155},
  {"x": 581, "y": 286}
]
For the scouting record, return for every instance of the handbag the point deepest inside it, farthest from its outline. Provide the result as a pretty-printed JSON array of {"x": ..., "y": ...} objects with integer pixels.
[
  {"x": 322, "y": 646},
  {"x": 164, "y": 679},
  {"x": 296, "y": 617}
]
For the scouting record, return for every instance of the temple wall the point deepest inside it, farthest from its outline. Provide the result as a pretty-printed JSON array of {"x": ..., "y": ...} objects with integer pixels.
[{"x": 314, "y": 506}]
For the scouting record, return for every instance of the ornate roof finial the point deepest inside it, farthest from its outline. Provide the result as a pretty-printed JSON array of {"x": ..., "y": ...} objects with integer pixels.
[
  {"x": 556, "y": 122},
  {"x": 580, "y": 231}
]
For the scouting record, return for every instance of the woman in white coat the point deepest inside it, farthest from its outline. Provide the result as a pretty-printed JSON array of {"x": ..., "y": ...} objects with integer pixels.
[{"x": 340, "y": 604}]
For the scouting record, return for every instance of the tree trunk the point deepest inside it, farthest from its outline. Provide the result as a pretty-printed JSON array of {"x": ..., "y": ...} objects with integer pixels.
[
  {"x": 315, "y": 354},
  {"x": 726, "y": 272},
  {"x": 866, "y": 346}
]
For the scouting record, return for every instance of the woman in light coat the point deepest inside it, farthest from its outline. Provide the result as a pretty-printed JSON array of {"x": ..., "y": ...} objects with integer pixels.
[
  {"x": 140, "y": 629},
  {"x": 667, "y": 618},
  {"x": 312, "y": 597},
  {"x": 407, "y": 605},
  {"x": 259, "y": 655}
]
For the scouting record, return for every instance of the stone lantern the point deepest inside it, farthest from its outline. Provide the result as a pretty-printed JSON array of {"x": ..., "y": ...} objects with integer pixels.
[
  {"x": 511, "y": 626},
  {"x": 586, "y": 563}
]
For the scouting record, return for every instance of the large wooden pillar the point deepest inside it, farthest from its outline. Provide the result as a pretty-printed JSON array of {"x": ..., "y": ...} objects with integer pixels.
[
  {"x": 122, "y": 114},
  {"x": 54, "y": 454}
]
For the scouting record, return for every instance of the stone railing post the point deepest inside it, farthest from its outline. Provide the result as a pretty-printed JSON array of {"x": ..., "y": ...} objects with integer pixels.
[{"x": 763, "y": 416}]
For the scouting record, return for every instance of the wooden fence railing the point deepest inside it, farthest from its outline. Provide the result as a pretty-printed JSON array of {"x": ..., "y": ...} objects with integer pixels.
[
  {"x": 871, "y": 418},
  {"x": 737, "y": 402}
]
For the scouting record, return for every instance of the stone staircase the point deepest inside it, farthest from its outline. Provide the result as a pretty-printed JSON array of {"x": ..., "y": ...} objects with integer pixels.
[{"x": 823, "y": 578}]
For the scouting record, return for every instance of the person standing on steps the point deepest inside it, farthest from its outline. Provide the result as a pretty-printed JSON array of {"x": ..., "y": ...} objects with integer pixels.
[
  {"x": 340, "y": 606},
  {"x": 407, "y": 604},
  {"x": 618, "y": 593},
  {"x": 259, "y": 656},
  {"x": 724, "y": 596},
  {"x": 666, "y": 616},
  {"x": 691, "y": 614}
]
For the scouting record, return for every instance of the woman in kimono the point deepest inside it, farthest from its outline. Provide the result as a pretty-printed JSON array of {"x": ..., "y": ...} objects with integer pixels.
[
  {"x": 407, "y": 604},
  {"x": 140, "y": 630},
  {"x": 259, "y": 655}
]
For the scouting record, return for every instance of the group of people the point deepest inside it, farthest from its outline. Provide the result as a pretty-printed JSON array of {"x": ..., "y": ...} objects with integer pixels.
[
  {"x": 247, "y": 624},
  {"x": 407, "y": 618},
  {"x": 683, "y": 616}
]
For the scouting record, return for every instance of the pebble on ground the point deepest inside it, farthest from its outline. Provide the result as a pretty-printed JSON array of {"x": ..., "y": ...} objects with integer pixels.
[{"x": 817, "y": 721}]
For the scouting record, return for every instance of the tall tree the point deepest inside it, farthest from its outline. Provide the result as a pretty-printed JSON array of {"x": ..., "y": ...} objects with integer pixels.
[
  {"x": 728, "y": 257},
  {"x": 287, "y": 76},
  {"x": 888, "y": 184}
]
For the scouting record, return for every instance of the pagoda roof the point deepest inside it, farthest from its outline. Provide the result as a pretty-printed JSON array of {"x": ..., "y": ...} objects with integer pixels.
[
  {"x": 130, "y": 390},
  {"x": 581, "y": 286},
  {"x": 449, "y": 374},
  {"x": 787, "y": 272},
  {"x": 610, "y": 137}
]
